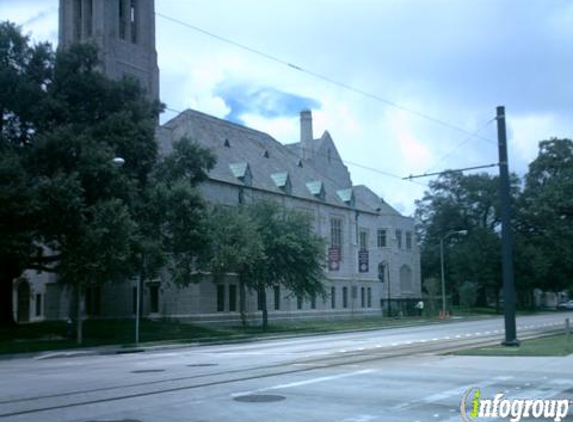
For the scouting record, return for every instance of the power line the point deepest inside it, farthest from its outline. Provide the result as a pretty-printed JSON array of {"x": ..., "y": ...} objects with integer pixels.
[
  {"x": 417, "y": 176},
  {"x": 350, "y": 163},
  {"x": 460, "y": 144},
  {"x": 320, "y": 76}
]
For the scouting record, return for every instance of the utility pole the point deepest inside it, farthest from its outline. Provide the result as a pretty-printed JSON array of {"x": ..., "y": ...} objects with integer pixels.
[{"x": 506, "y": 237}]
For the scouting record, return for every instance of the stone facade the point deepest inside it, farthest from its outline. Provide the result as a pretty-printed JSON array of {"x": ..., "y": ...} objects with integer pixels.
[
  {"x": 373, "y": 255},
  {"x": 307, "y": 176},
  {"x": 123, "y": 30}
]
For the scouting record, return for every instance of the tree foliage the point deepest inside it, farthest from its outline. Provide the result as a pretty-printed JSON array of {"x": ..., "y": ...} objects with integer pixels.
[
  {"x": 65, "y": 206},
  {"x": 541, "y": 221},
  {"x": 463, "y": 202},
  {"x": 266, "y": 246},
  {"x": 545, "y": 217}
]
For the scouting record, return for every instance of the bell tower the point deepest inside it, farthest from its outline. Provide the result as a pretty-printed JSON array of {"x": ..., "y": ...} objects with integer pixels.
[{"x": 123, "y": 30}]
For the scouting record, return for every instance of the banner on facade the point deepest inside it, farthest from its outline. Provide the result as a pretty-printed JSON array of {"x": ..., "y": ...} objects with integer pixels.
[
  {"x": 334, "y": 258},
  {"x": 363, "y": 261}
]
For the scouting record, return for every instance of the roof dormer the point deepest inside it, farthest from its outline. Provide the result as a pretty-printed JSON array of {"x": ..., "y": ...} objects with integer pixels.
[
  {"x": 242, "y": 171},
  {"x": 346, "y": 196},
  {"x": 316, "y": 188},
  {"x": 282, "y": 181}
]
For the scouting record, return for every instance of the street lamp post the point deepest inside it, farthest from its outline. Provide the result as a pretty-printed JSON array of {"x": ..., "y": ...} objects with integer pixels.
[
  {"x": 452, "y": 233},
  {"x": 119, "y": 162},
  {"x": 137, "y": 307}
]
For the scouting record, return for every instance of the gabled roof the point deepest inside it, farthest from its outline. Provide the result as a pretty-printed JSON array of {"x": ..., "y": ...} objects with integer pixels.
[{"x": 272, "y": 166}]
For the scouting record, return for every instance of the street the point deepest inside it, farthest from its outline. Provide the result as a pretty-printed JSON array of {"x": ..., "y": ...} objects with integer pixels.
[{"x": 398, "y": 374}]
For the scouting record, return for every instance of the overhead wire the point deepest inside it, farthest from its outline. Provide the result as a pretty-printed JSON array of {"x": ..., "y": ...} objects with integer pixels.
[
  {"x": 350, "y": 163},
  {"x": 320, "y": 76},
  {"x": 460, "y": 144}
]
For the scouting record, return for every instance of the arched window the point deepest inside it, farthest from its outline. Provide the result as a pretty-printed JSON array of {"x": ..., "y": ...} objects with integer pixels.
[{"x": 406, "y": 278}]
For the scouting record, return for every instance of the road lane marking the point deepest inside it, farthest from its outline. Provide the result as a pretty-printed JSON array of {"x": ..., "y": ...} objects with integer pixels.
[
  {"x": 305, "y": 382},
  {"x": 448, "y": 394}
]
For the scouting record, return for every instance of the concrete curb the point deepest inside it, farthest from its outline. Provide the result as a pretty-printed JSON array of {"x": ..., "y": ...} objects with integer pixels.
[{"x": 151, "y": 347}]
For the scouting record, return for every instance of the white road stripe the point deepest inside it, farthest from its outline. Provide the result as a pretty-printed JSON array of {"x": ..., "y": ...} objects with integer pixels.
[{"x": 305, "y": 382}]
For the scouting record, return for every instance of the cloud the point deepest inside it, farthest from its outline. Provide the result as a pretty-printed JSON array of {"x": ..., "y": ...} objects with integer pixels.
[
  {"x": 40, "y": 16},
  {"x": 268, "y": 102}
]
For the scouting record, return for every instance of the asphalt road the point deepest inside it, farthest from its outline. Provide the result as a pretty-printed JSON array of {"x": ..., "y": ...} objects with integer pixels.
[{"x": 396, "y": 374}]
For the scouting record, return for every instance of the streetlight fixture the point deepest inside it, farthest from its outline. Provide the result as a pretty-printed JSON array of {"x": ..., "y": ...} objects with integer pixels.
[
  {"x": 452, "y": 233},
  {"x": 119, "y": 162}
]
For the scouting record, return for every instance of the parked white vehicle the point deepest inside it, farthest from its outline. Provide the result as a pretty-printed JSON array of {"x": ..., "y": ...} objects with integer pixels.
[{"x": 566, "y": 305}]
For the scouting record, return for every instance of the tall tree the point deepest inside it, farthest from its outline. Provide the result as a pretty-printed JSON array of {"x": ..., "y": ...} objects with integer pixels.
[
  {"x": 463, "y": 202},
  {"x": 24, "y": 70},
  {"x": 545, "y": 218},
  {"x": 294, "y": 254},
  {"x": 267, "y": 246},
  {"x": 65, "y": 206},
  {"x": 235, "y": 246}
]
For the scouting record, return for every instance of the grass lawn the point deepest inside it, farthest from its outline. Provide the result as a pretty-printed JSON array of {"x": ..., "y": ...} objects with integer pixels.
[
  {"x": 556, "y": 345},
  {"x": 44, "y": 336}
]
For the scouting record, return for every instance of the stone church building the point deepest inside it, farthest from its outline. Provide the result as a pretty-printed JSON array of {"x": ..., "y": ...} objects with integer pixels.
[{"x": 372, "y": 252}]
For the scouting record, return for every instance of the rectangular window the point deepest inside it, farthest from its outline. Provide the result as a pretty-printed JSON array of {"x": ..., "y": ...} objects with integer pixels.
[
  {"x": 38, "y": 304},
  {"x": 220, "y": 297},
  {"x": 363, "y": 240},
  {"x": 381, "y": 272},
  {"x": 336, "y": 233},
  {"x": 345, "y": 297},
  {"x": 134, "y": 300},
  {"x": 93, "y": 300},
  {"x": 260, "y": 299},
  {"x": 362, "y": 297},
  {"x": 381, "y": 238},
  {"x": 399, "y": 238},
  {"x": 154, "y": 299},
  {"x": 277, "y": 292},
  {"x": 369, "y": 296},
  {"x": 78, "y": 17},
  {"x": 408, "y": 240},
  {"x": 133, "y": 22},
  {"x": 299, "y": 302},
  {"x": 232, "y": 298},
  {"x": 89, "y": 18},
  {"x": 122, "y": 19},
  {"x": 333, "y": 297}
]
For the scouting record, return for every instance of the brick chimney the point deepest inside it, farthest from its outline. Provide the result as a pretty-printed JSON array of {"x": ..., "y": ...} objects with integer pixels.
[{"x": 305, "y": 134}]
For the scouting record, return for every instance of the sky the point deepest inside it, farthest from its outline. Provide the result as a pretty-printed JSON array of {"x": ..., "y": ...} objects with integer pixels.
[{"x": 425, "y": 76}]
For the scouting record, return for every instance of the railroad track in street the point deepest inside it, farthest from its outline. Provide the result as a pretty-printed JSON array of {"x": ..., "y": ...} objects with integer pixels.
[{"x": 85, "y": 397}]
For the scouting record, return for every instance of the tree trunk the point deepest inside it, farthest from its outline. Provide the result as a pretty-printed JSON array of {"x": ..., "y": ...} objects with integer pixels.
[
  {"x": 243, "y": 303},
  {"x": 8, "y": 272},
  {"x": 263, "y": 293},
  {"x": 79, "y": 314}
]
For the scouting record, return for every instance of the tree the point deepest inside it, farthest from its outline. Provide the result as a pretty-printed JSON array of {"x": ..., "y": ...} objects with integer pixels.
[
  {"x": 23, "y": 71},
  {"x": 65, "y": 206},
  {"x": 235, "y": 246},
  {"x": 545, "y": 217},
  {"x": 267, "y": 246},
  {"x": 463, "y": 202},
  {"x": 294, "y": 254},
  {"x": 172, "y": 214}
]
